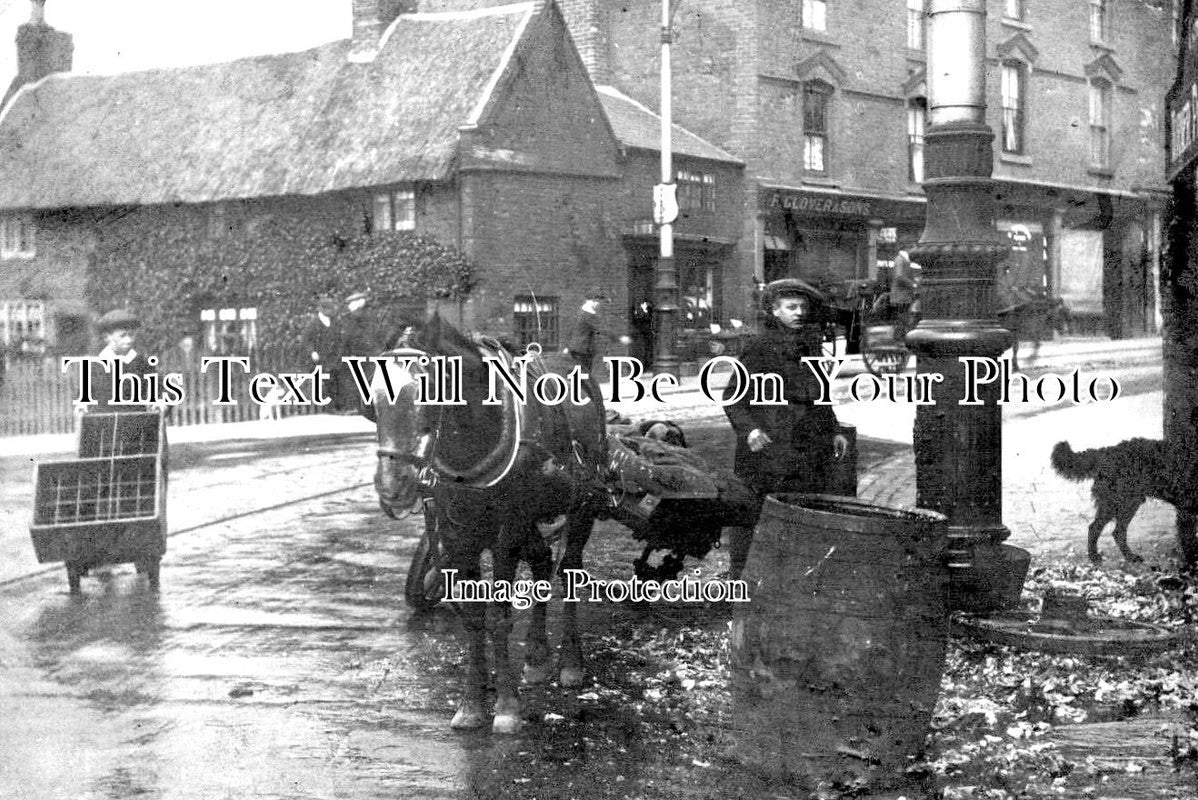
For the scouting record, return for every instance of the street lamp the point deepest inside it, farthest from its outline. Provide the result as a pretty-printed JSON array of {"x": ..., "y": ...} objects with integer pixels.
[
  {"x": 665, "y": 211},
  {"x": 958, "y": 448}
]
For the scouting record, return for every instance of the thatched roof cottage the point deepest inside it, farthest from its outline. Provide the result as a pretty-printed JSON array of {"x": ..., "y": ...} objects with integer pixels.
[{"x": 204, "y": 194}]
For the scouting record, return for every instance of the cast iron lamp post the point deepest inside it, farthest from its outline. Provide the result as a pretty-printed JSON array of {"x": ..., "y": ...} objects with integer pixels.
[
  {"x": 665, "y": 289},
  {"x": 958, "y": 448}
]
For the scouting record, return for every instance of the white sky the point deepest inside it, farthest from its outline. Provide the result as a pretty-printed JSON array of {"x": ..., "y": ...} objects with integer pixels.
[{"x": 122, "y": 35}]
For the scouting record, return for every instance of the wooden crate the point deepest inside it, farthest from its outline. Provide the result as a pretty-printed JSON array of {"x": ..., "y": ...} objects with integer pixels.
[{"x": 99, "y": 510}]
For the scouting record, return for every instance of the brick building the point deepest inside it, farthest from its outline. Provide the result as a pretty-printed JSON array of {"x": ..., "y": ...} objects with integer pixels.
[
  {"x": 474, "y": 125},
  {"x": 825, "y": 100}
]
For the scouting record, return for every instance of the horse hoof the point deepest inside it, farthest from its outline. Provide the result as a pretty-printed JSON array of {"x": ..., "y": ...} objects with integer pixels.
[
  {"x": 468, "y": 718},
  {"x": 536, "y": 675},
  {"x": 572, "y": 676},
  {"x": 1133, "y": 558},
  {"x": 506, "y": 724}
]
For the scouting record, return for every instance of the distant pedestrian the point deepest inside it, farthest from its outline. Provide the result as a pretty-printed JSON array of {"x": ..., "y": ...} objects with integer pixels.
[
  {"x": 588, "y": 328},
  {"x": 790, "y": 447},
  {"x": 324, "y": 341},
  {"x": 642, "y": 328},
  {"x": 360, "y": 341}
]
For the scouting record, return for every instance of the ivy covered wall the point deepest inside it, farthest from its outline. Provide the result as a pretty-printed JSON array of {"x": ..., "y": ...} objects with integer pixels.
[{"x": 167, "y": 263}]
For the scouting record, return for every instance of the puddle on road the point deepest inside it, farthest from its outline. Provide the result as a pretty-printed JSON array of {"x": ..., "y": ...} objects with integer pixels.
[{"x": 279, "y": 660}]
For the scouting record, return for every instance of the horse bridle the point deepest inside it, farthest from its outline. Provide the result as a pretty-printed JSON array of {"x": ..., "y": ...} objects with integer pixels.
[{"x": 421, "y": 455}]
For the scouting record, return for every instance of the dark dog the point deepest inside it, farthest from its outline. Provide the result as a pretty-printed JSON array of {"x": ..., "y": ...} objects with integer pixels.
[{"x": 1124, "y": 476}]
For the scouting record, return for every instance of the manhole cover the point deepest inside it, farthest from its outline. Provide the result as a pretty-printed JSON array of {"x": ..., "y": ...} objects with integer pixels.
[{"x": 1090, "y": 635}]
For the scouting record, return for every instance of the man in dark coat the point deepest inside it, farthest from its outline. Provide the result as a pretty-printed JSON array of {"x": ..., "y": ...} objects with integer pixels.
[
  {"x": 582, "y": 345},
  {"x": 324, "y": 341},
  {"x": 791, "y": 447}
]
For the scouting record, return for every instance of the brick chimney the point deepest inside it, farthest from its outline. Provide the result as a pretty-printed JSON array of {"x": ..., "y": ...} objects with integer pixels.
[
  {"x": 371, "y": 18},
  {"x": 587, "y": 22},
  {"x": 41, "y": 50}
]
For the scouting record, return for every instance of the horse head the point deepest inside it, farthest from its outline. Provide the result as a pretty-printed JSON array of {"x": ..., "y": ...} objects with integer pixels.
[
  {"x": 433, "y": 424},
  {"x": 404, "y": 437}
]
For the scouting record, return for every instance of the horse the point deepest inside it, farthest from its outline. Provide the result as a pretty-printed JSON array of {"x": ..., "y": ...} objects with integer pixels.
[
  {"x": 1033, "y": 317},
  {"x": 519, "y": 479}
]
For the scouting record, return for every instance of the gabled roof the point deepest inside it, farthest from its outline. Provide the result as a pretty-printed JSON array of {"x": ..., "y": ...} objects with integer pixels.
[
  {"x": 297, "y": 123},
  {"x": 635, "y": 125}
]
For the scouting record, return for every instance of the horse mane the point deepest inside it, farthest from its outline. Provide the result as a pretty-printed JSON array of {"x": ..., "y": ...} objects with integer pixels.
[{"x": 472, "y": 430}]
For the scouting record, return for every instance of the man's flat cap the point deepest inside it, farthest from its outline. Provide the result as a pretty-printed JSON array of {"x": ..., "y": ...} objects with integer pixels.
[
  {"x": 118, "y": 319},
  {"x": 790, "y": 287}
]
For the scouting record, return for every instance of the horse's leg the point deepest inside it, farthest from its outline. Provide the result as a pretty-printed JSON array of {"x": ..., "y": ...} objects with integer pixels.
[
  {"x": 471, "y": 713},
  {"x": 578, "y": 531},
  {"x": 536, "y": 648},
  {"x": 507, "y": 698}
]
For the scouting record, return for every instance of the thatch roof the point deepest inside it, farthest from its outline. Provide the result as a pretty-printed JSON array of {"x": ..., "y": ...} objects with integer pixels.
[
  {"x": 638, "y": 126},
  {"x": 297, "y": 123}
]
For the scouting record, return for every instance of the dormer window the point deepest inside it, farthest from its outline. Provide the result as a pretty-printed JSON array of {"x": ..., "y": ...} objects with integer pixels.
[
  {"x": 16, "y": 236},
  {"x": 394, "y": 210}
]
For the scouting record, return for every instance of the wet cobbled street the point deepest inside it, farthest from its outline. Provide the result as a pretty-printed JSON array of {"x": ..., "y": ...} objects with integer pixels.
[{"x": 279, "y": 659}]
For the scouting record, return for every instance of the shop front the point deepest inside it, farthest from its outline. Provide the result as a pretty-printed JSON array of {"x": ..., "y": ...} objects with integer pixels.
[
  {"x": 833, "y": 239},
  {"x": 701, "y": 266}
]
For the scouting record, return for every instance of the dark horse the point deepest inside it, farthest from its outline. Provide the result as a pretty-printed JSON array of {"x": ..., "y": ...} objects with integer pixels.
[
  {"x": 1032, "y": 316},
  {"x": 517, "y": 478}
]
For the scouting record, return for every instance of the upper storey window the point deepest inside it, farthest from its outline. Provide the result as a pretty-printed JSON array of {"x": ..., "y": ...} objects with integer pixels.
[{"x": 815, "y": 15}]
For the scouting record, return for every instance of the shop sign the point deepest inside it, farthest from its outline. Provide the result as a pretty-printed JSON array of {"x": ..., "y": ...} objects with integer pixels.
[
  {"x": 813, "y": 203},
  {"x": 1183, "y": 126}
]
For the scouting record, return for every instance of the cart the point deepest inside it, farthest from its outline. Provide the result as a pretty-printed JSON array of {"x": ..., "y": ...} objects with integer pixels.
[
  {"x": 883, "y": 348},
  {"x": 109, "y": 505}
]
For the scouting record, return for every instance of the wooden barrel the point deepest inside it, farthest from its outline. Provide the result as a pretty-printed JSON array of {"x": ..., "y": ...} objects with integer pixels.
[{"x": 837, "y": 658}]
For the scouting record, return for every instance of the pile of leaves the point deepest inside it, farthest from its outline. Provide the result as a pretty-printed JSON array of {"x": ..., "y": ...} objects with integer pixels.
[{"x": 993, "y": 729}]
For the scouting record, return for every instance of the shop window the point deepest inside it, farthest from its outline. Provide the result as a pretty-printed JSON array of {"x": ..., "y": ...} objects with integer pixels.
[
  {"x": 815, "y": 15},
  {"x": 1014, "y": 92},
  {"x": 394, "y": 210},
  {"x": 916, "y": 24},
  {"x": 1100, "y": 125},
  {"x": 816, "y": 99},
  {"x": 536, "y": 319},
  {"x": 1013, "y": 9},
  {"x": 696, "y": 191},
  {"x": 23, "y": 326},
  {"x": 230, "y": 331},
  {"x": 16, "y": 236},
  {"x": 697, "y": 284},
  {"x": 917, "y": 113},
  {"x": 1099, "y": 21}
]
